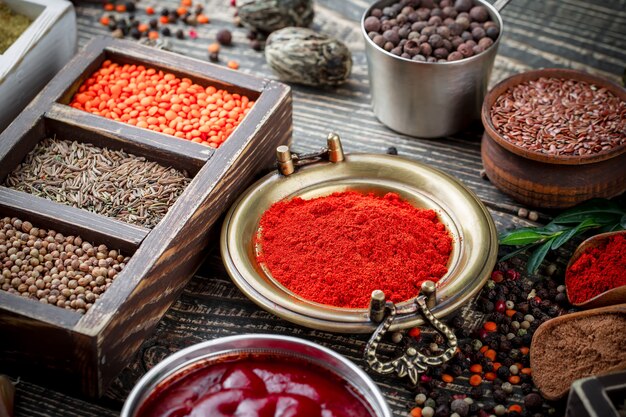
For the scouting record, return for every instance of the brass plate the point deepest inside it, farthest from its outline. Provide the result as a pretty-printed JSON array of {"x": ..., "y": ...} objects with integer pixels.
[{"x": 474, "y": 234}]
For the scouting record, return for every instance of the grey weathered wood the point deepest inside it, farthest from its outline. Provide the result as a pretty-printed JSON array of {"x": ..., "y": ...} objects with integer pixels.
[{"x": 579, "y": 34}]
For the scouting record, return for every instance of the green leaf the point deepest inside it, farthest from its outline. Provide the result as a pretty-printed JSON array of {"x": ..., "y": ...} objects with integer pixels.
[
  {"x": 522, "y": 237},
  {"x": 537, "y": 257},
  {"x": 564, "y": 237},
  {"x": 601, "y": 210},
  {"x": 517, "y": 252}
]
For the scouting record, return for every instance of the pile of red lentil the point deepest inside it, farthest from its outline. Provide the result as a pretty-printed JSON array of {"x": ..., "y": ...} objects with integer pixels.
[{"x": 152, "y": 99}]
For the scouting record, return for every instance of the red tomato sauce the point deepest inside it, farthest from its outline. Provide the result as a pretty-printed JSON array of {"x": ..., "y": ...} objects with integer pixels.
[{"x": 257, "y": 387}]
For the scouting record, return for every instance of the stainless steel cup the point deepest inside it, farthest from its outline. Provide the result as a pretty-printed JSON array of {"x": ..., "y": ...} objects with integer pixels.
[
  {"x": 428, "y": 99},
  {"x": 213, "y": 350}
]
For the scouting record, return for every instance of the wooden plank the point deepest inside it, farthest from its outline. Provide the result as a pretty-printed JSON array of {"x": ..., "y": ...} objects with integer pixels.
[
  {"x": 72, "y": 124},
  {"x": 29, "y": 403},
  {"x": 70, "y": 220},
  {"x": 174, "y": 249}
]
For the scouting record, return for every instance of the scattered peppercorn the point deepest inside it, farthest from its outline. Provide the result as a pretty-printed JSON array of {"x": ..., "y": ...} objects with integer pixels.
[{"x": 224, "y": 37}]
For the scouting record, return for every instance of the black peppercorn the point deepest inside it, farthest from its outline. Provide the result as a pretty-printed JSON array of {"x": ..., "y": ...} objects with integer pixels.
[
  {"x": 526, "y": 388},
  {"x": 214, "y": 57},
  {"x": 180, "y": 34},
  {"x": 533, "y": 401},
  {"x": 257, "y": 45},
  {"x": 507, "y": 362},
  {"x": 442, "y": 410},
  {"x": 134, "y": 32},
  {"x": 166, "y": 31},
  {"x": 457, "y": 322},
  {"x": 112, "y": 25},
  {"x": 154, "y": 23},
  {"x": 503, "y": 372},
  {"x": 499, "y": 396},
  {"x": 224, "y": 37},
  {"x": 165, "y": 12},
  {"x": 130, "y": 6},
  {"x": 456, "y": 370},
  {"x": 476, "y": 392}
]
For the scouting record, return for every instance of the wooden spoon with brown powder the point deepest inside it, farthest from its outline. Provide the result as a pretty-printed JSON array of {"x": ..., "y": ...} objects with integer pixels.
[{"x": 578, "y": 345}]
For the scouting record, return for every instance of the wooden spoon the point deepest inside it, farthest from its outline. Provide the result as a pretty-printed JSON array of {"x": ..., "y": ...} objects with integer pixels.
[
  {"x": 561, "y": 354},
  {"x": 613, "y": 296}
]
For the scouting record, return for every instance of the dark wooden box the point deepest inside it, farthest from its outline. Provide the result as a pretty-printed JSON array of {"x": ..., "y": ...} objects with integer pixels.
[{"x": 87, "y": 351}]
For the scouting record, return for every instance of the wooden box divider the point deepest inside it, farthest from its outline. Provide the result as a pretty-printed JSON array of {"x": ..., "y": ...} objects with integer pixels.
[
  {"x": 103, "y": 132},
  {"x": 89, "y": 350}
]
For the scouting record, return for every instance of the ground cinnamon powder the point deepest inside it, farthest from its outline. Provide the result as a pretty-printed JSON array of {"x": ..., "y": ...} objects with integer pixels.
[{"x": 337, "y": 249}]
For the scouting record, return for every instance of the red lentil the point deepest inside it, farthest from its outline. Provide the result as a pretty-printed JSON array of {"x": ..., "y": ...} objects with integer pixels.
[
  {"x": 202, "y": 19},
  {"x": 475, "y": 380},
  {"x": 490, "y": 376},
  {"x": 416, "y": 412},
  {"x": 233, "y": 65},
  {"x": 151, "y": 99},
  {"x": 490, "y": 326},
  {"x": 515, "y": 408},
  {"x": 514, "y": 379},
  {"x": 415, "y": 333},
  {"x": 149, "y": 10},
  {"x": 490, "y": 354},
  {"x": 447, "y": 378},
  {"x": 476, "y": 368}
]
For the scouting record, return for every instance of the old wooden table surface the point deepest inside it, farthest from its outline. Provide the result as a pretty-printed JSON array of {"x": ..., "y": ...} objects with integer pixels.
[{"x": 580, "y": 34}]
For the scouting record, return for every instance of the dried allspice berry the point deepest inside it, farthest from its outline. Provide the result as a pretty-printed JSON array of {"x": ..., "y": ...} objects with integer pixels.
[
  {"x": 266, "y": 16},
  {"x": 300, "y": 55}
]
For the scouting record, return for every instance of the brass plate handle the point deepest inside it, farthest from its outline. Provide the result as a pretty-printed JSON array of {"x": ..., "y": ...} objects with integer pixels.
[{"x": 412, "y": 362}]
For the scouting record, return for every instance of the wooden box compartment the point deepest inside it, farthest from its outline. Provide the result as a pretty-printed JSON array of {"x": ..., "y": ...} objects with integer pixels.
[
  {"x": 37, "y": 55},
  {"x": 88, "y": 350}
]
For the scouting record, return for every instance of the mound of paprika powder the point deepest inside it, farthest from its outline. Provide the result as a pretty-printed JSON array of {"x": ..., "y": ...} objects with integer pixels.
[
  {"x": 597, "y": 270},
  {"x": 339, "y": 248}
]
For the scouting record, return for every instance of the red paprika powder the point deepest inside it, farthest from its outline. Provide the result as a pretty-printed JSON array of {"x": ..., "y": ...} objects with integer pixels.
[
  {"x": 597, "y": 270},
  {"x": 339, "y": 248}
]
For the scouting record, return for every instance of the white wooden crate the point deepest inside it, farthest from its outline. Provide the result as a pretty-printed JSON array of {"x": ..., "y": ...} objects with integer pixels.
[{"x": 37, "y": 55}]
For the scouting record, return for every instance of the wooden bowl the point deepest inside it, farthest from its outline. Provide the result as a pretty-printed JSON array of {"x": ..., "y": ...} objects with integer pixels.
[
  {"x": 550, "y": 181},
  {"x": 613, "y": 296}
]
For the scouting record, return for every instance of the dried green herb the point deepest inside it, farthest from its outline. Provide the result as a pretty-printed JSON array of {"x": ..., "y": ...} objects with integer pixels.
[
  {"x": 597, "y": 215},
  {"x": 12, "y": 25}
]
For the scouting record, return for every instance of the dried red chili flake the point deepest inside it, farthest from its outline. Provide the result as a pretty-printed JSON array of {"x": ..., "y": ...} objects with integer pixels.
[
  {"x": 339, "y": 248},
  {"x": 597, "y": 270}
]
